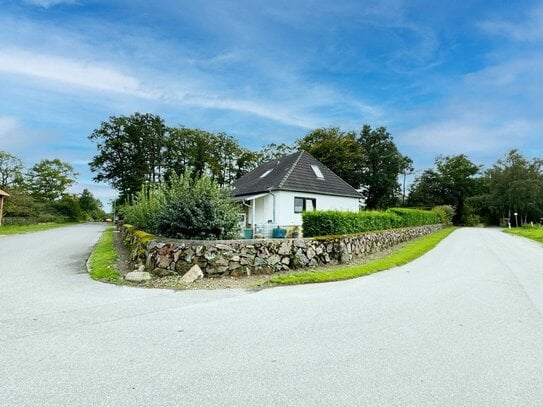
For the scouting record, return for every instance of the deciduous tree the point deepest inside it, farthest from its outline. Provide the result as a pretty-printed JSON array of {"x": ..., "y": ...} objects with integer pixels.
[
  {"x": 381, "y": 164},
  {"x": 130, "y": 152},
  {"x": 48, "y": 180},
  {"x": 11, "y": 171}
]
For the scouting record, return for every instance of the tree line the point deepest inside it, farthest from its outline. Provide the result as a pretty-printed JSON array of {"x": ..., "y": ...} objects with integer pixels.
[
  {"x": 514, "y": 184},
  {"x": 140, "y": 150},
  {"x": 40, "y": 193}
]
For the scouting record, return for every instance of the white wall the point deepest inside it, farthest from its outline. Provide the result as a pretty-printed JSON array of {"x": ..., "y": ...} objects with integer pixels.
[
  {"x": 284, "y": 201},
  {"x": 284, "y": 207},
  {"x": 263, "y": 210}
]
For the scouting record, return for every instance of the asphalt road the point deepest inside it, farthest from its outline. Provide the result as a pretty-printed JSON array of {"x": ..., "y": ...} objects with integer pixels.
[{"x": 461, "y": 326}]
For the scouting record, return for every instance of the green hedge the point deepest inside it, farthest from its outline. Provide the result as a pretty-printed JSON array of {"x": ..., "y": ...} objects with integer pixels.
[
  {"x": 322, "y": 223},
  {"x": 416, "y": 217}
]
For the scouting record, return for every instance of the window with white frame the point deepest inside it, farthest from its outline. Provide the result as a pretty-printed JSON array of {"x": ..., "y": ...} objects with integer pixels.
[
  {"x": 317, "y": 171},
  {"x": 304, "y": 204}
]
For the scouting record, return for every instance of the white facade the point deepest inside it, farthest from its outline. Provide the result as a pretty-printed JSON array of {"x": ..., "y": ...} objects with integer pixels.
[{"x": 278, "y": 208}]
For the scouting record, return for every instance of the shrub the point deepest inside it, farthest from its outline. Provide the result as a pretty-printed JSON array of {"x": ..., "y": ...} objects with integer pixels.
[
  {"x": 199, "y": 211},
  {"x": 145, "y": 208},
  {"x": 445, "y": 213},
  {"x": 185, "y": 209},
  {"x": 323, "y": 223},
  {"x": 415, "y": 217}
]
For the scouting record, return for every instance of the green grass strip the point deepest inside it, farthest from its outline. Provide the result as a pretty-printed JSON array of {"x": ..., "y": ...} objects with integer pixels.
[
  {"x": 534, "y": 233},
  {"x": 17, "y": 229},
  {"x": 404, "y": 255},
  {"x": 103, "y": 258}
]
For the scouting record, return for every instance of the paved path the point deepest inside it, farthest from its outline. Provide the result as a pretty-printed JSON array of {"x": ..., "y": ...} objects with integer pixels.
[{"x": 461, "y": 326}]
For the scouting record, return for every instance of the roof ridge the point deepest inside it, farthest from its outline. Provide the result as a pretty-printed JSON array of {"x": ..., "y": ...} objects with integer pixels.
[{"x": 282, "y": 182}]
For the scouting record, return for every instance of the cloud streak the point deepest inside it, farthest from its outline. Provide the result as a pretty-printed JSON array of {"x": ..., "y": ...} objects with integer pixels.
[
  {"x": 49, "y": 3},
  {"x": 529, "y": 30},
  {"x": 86, "y": 74}
]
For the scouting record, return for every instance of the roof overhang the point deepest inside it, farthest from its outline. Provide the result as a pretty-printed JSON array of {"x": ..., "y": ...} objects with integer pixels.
[
  {"x": 2, "y": 193},
  {"x": 249, "y": 197}
]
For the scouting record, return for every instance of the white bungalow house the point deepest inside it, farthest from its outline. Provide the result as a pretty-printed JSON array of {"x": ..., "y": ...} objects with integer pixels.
[{"x": 277, "y": 192}]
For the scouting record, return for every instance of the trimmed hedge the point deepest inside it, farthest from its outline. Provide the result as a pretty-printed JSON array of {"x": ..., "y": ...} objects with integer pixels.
[
  {"x": 322, "y": 223},
  {"x": 416, "y": 217}
]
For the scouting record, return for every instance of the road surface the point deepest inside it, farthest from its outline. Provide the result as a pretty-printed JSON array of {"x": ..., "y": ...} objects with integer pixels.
[{"x": 461, "y": 326}]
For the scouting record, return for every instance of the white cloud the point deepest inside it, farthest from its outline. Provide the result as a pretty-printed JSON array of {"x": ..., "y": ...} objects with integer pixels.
[
  {"x": 465, "y": 136},
  {"x": 529, "y": 30},
  {"x": 48, "y": 3},
  {"x": 7, "y": 127},
  {"x": 87, "y": 74},
  {"x": 251, "y": 107}
]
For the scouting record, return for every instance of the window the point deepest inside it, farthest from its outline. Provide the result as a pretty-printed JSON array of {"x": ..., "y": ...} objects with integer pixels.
[
  {"x": 304, "y": 204},
  {"x": 317, "y": 171},
  {"x": 266, "y": 173}
]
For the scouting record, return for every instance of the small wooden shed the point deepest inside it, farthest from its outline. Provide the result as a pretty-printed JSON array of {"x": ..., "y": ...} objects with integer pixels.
[{"x": 2, "y": 196}]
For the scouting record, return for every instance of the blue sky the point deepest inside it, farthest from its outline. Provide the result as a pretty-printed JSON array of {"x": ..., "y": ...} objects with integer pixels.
[{"x": 443, "y": 77}]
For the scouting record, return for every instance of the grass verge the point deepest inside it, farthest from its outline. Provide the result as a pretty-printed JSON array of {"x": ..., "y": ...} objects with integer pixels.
[
  {"x": 103, "y": 258},
  {"x": 16, "y": 229},
  {"x": 404, "y": 255},
  {"x": 535, "y": 233}
]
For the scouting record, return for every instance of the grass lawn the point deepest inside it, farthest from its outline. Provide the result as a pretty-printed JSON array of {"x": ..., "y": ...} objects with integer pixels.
[
  {"x": 535, "y": 233},
  {"x": 16, "y": 229},
  {"x": 404, "y": 255},
  {"x": 103, "y": 258}
]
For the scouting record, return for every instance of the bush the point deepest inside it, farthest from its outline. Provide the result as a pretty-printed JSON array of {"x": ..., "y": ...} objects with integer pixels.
[
  {"x": 185, "y": 209},
  {"x": 146, "y": 206},
  {"x": 324, "y": 223},
  {"x": 415, "y": 217},
  {"x": 32, "y": 220},
  {"x": 445, "y": 213}
]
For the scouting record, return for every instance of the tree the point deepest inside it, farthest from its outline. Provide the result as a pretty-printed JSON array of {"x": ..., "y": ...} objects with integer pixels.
[
  {"x": 49, "y": 180},
  {"x": 272, "y": 151},
  {"x": 381, "y": 164},
  {"x": 407, "y": 169},
  {"x": 91, "y": 206},
  {"x": 451, "y": 183},
  {"x": 515, "y": 184},
  {"x": 11, "y": 171},
  {"x": 130, "y": 152},
  {"x": 225, "y": 151},
  {"x": 426, "y": 190},
  {"x": 458, "y": 182},
  {"x": 336, "y": 149}
]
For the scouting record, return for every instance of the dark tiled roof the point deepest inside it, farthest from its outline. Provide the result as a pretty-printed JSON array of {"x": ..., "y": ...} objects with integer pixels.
[{"x": 293, "y": 173}]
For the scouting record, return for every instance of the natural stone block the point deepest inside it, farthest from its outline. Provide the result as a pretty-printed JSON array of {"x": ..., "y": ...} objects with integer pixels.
[
  {"x": 137, "y": 276},
  {"x": 274, "y": 259},
  {"x": 285, "y": 248},
  {"x": 192, "y": 275}
]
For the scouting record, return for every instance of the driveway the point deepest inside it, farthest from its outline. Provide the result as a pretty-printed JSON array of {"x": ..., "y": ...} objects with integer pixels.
[{"x": 461, "y": 326}]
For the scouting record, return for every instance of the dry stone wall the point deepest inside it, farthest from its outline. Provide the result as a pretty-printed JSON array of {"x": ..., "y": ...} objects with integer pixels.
[{"x": 259, "y": 256}]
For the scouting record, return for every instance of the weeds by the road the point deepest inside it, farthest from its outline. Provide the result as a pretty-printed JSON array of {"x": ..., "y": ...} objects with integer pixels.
[
  {"x": 103, "y": 258},
  {"x": 404, "y": 255},
  {"x": 534, "y": 233},
  {"x": 16, "y": 229}
]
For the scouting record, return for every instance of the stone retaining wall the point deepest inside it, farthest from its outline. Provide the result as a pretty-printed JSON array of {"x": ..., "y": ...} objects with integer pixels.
[{"x": 258, "y": 256}]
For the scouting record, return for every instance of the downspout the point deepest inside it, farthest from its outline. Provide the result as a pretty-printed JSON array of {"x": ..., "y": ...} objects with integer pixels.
[{"x": 273, "y": 216}]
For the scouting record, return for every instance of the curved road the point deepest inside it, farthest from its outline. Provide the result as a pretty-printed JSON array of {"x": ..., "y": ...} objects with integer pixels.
[{"x": 461, "y": 326}]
